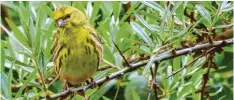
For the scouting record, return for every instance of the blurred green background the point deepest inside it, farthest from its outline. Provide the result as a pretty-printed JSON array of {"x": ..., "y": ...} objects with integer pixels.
[{"x": 138, "y": 28}]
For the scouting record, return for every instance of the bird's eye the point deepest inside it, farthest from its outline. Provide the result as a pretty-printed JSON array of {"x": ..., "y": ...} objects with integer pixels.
[{"x": 68, "y": 16}]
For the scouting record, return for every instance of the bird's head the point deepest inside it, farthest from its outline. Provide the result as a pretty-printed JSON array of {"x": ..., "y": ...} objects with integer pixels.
[{"x": 68, "y": 16}]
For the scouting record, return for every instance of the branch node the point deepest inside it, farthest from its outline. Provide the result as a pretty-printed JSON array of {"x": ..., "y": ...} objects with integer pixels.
[
  {"x": 173, "y": 52},
  {"x": 48, "y": 97},
  {"x": 190, "y": 51},
  {"x": 107, "y": 77},
  {"x": 224, "y": 42},
  {"x": 121, "y": 74},
  {"x": 121, "y": 54},
  {"x": 149, "y": 90}
]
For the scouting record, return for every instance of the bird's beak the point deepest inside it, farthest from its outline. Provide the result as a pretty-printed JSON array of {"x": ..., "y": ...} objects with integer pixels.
[{"x": 61, "y": 23}]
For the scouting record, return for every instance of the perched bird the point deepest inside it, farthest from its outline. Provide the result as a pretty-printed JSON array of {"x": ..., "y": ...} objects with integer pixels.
[{"x": 76, "y": 48}]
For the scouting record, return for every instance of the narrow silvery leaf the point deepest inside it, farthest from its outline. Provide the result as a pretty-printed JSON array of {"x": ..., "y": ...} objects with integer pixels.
[
  {"x": 141, "y": 33},
  {"x": 204, "y": 12},
  {"x": 226, "y": 6},
  {"x": 144, "y": 22},
  {"x": 224, "y": 26},
  {"x": 154, "y": 5},
  {"x": 15, "y": 39},
  {"x": 4, "y": 85},
  {"x": 148, "y": 65},
  {"x": 89, "y": 10}
]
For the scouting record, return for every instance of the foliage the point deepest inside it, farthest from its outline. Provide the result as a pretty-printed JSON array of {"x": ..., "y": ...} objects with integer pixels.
[{"x": 139, "y": 29}]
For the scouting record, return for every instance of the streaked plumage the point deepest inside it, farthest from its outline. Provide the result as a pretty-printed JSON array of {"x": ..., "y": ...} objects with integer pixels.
[{"x": 76, "y": 48}]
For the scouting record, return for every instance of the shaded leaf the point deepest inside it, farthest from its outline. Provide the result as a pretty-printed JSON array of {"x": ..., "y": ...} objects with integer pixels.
[
  {"x": 135, "y": 95},
  {"x": 30, "y": 77},
  {"x": 129, "y": 12},
  {"x": 4, "y": 85}
]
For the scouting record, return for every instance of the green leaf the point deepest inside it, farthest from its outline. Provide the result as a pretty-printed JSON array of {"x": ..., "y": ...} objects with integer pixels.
[
  {"x": 135, "y": 95},
  {"x": 42, "y": 61},
  {"x": 95, "y": 16},
  {"x": 149, "y": 64},
  {"x": 141, "y": 33},
  {"x": 180, "y": 12},
  {"x": 39, "y": 26},
  {"x": 224, "y": 26},
  {"x": 146, "y": 49},
  {"x": 30, "y": 77},
  {"x": 10, "y": 74},
  {"x": 176, "y": 6},
  {"x": 142, "y": 20},
  {"x": 17, "y": 61},
  {"x": 10, "y": 4},
  {"x": 217, "y": 92},
  {"x": 108, "y": 54},
  {"x": 32, "y": 30},
  {"x": 12, "y": 37},
  {"x": 185, "y": 89},
  {"x": 104, "y": 89},
  {"x": 154, "y": 5},
  {"x": 205, "y": 13},
  {"x": 228, "y": 49},
  {"x": 107, "y": 8},
  {"x": 129, "y": 12},
  {"x": 124, "y": 32},
  {"x": 178, "y": 35},
  {"x": 5, "y": 85},
  {"x": 116, "y": 8},
  {"x": 24, "y": 14},
  {"x": 118, "y": 59},
  {"x": 3, "y": 45},
  {"x": 226, "y": 6},
  {"x": 105, "y": 98},
  {"x": 17, "y": 33},
  {"x": 48, "y": 10},
  {"x": 78, "y": 97},
  {"x": 80, "y": 5}
]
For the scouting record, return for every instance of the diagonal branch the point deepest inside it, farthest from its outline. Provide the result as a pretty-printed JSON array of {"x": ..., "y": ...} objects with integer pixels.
[{"x": 137, "y": 65}]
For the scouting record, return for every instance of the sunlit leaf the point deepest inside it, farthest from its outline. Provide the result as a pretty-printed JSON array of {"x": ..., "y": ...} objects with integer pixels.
[
  {"x": 205, "y": 13},
  {"x": 154, "y": 5},
  {"x": 17, "y": 33},
  {"x": 116, "y": 8},
  {"x": 141, "y": 33}
]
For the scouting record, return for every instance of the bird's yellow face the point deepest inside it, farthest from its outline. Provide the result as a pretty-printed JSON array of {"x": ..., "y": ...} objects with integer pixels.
[{"x": 67, "y": 16}]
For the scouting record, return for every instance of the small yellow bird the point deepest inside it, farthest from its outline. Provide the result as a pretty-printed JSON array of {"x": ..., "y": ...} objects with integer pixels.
[{"x": 76, "y": 48}]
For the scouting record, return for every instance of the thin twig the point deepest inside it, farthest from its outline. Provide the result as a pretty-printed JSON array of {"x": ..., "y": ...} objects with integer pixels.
[
  {"x": 155, "y": 84},
  {"x": 205, "y": 77},
  {"x": 107, "y": 67},
  {"x": 191, "y": 62},
  {"x": 137, "y": 65},
  {"x": 41, "y": 76},
  {"x": 151, "y": 84},
  {"x": 128, "y": 65},
  {"x": 117, "y": 91}
]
